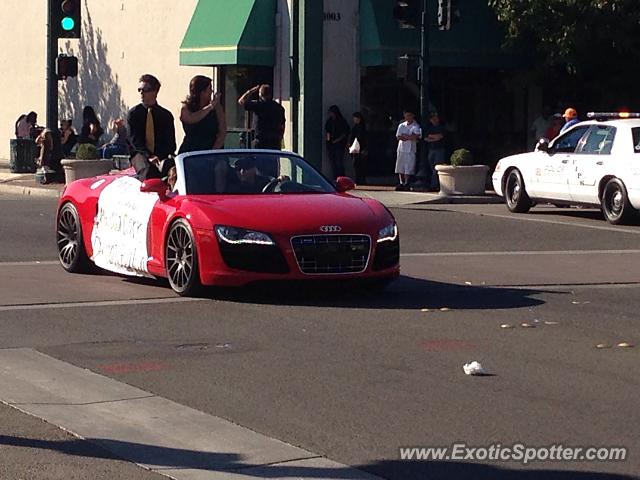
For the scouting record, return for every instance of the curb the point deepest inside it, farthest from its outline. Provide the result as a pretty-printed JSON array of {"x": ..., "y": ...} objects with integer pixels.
[
  {"x": 30, "y": 191},
  {"x": 469, "y": 200}
]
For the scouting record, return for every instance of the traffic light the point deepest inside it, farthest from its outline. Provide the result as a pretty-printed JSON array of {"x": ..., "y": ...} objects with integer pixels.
[
  {"x": 66, "y": 19},
  {"x": 408, "y": 13},
  {"x": 448, "y": 13},
  {"x": 66, "y": 66}
]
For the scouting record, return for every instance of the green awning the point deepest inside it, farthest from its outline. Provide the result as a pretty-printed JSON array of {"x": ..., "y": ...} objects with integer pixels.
[
  {"x": 382, "y": 41},
  {"x": 230, "y": 32}
]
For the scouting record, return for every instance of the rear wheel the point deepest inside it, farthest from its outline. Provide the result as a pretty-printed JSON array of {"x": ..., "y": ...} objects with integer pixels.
[
  {"x": 71, "y": 252},
  {"x": 181, "y": 260},
  {"x": 515, "y": 194},
  {"x": 615, "y": 203}
]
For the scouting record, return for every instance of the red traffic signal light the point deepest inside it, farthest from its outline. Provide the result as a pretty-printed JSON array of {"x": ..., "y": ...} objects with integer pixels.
[{"x": 66, "y": 66}]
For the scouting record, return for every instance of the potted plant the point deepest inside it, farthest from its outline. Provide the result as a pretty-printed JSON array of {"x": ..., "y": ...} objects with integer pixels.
[
  {"x": 87, "y": 164},
  {"x": 462, "y": 177}
]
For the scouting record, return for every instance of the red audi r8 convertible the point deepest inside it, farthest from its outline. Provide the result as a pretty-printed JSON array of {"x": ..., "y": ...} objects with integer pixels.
[{"x": 232, "y": 217}]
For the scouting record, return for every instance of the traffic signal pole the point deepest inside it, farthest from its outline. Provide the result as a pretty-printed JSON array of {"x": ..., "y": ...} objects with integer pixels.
[
  {"x": 52, "y": 79},
  {"x": 423, "y": 167},
  {"x": 424, "y": 63}
]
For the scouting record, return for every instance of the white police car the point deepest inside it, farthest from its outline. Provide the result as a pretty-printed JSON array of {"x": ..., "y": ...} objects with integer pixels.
[{"x": 596, "y": 162}]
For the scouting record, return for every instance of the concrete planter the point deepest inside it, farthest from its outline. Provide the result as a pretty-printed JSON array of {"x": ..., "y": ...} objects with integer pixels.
[
  {"x": 467, "y": 180},
  {"x": 75, "y": 169}
]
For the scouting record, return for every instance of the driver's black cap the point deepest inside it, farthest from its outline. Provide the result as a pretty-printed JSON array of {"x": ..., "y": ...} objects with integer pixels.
[{"x": 245, "y": 163}]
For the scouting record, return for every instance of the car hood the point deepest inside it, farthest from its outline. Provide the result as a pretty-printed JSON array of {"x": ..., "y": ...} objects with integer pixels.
[
  {"x": 528, "y": 156},
  {"x": 286, "y": 213}
]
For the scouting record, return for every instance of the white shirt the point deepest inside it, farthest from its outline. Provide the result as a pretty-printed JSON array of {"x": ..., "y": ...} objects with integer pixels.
[{"x": 408, "y": 146}]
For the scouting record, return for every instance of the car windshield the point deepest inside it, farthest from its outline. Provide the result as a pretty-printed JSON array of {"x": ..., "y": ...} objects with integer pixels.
[{"x": 251, "y": 173}]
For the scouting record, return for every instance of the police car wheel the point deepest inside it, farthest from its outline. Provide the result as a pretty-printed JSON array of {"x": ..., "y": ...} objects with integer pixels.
[
  {"x": 515, "y": 194},
  {"x": 615, "y": 203}
]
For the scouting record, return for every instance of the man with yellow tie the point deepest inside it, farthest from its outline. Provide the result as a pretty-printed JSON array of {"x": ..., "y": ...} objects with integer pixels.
[{"x": 152, "y": 132}]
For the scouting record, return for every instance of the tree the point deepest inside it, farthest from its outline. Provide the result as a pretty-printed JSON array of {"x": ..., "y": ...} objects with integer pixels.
[{"x": 594, "y": 44}]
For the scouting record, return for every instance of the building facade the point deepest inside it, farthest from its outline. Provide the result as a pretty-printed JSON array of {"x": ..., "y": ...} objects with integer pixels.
[{"x": 314, "y": 53}]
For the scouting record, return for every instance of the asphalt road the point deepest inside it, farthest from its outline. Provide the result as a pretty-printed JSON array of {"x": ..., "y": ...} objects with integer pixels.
[{"x": 354, "y": 376}]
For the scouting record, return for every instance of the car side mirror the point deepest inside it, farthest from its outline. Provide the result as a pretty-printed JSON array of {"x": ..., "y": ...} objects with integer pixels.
[
  {"x": 155, "y": 185},
  {"x": 543, "y": 145},
  {"x": 344, "y": 184}
]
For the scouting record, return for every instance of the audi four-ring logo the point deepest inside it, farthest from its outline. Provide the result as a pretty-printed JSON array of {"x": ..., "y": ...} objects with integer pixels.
[{"x": 330, "y": 228}]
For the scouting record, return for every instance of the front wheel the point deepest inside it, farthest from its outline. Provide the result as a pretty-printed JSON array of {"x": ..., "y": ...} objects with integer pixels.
[
  {"x": 71, "y": 252},
  {"x": 615, "y": 203},
  {"x": 515, "y": 194},
  {"x": 181, "y": 260}
]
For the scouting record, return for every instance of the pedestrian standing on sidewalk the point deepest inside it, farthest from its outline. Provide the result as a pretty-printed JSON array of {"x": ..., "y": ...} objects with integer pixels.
[
  {"x": 408, "y": 134},
  {"x": 270, "y": 119},
  {"x": 571, "y": 117},
  {"x": 434, "y": 136},
  {"x": 152, "y": 131},
  {"x": 336, "y": 132},
  {"x": 359, "y": 134}
]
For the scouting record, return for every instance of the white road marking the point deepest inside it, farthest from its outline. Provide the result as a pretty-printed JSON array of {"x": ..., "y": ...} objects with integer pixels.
[
  {"x": 530, "y": 218},
  {"x": 523, "y": 252},
  {"x": 29, "y": 263},
  {"x": 104, "y": 303},
  {"x": 154, "y": 432}
]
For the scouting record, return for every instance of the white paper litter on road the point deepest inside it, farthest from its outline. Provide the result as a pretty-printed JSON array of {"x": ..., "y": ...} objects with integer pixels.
[{"x": 473, "y": 368}]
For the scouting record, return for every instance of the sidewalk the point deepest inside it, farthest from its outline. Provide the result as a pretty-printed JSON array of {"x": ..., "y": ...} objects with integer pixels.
[{"x": 25, "y": 184}]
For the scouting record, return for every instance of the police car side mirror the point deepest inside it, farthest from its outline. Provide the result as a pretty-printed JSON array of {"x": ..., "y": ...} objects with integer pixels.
[{"x": 543, "y": 145}]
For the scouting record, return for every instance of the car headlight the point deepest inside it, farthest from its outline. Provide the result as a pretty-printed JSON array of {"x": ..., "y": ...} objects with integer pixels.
[
  {"x": 235, "y": 235},
  {"x": 498, "y": 167},
  {"x": 388, "y": 233}
]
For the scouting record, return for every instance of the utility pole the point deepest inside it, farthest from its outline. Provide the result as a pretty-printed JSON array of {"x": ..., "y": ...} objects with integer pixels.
[
  {"x": 423, "y": 168},
  {"x": 52, "y": 78}
]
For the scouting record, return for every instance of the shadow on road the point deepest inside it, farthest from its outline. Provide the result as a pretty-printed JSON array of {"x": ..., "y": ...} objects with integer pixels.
[
  {"x": 165, "y": 458},
  {"x": 404, "y": 293}
]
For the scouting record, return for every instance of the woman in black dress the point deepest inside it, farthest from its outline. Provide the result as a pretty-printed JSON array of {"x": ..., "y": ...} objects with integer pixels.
[
  {"x": 202, "y": 117},
  {"x": 359, "y": 132},
  {"x": 336, "y": 130}
]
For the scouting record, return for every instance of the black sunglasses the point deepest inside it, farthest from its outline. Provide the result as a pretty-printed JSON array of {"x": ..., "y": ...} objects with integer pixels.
[{"x": 145, "y": 90}]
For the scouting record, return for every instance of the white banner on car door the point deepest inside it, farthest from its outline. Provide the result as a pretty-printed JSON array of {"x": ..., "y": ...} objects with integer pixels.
[{"x": 119, "y": 237}]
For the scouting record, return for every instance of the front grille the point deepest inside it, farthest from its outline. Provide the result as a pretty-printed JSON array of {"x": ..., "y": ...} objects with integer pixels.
[{"x": 332, "y": 253}]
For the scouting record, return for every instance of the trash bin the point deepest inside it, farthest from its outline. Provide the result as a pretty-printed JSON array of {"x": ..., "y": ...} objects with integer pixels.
[
  {"x": 121, "y": 162},
  {"x": 239, "y": 138},
  {"x": 22, "y": 156}
]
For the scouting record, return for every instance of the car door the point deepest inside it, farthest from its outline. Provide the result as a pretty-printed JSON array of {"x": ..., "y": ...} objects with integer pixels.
[
  {"x": 554, "y": 174},
  {"x": 589, "y": 162}
]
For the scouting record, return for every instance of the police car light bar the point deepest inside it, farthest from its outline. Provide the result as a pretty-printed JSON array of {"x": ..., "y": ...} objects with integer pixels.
[{"x": 610, "y": 115}]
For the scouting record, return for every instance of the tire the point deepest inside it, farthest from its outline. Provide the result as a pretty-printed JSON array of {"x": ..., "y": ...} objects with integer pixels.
[
  {"x": 71, "y": 252},
  {"x": 181, "y": 260},
  {"x": 515, "y": 194},
  {"x": 615, "y": 203}
]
